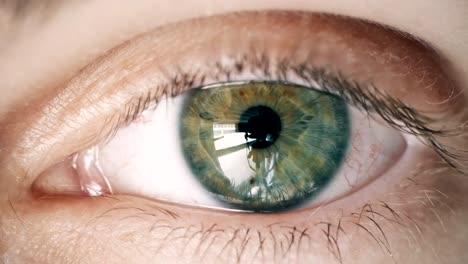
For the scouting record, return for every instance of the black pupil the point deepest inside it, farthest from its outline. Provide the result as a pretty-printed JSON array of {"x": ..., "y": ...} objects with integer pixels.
[{"x": 260, "y": 123}]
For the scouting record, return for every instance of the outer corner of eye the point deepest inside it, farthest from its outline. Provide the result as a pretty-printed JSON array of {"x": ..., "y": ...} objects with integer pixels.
[{"x": 254, "y": 146}]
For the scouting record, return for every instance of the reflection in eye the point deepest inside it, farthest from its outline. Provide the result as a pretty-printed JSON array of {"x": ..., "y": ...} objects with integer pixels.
[{"x": 286, "y": 144}]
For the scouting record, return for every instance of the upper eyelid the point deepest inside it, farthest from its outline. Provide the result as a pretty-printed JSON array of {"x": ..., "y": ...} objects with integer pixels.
[
  {"x": 102, "y": 80},
  {"x": 363, "y": 96}
]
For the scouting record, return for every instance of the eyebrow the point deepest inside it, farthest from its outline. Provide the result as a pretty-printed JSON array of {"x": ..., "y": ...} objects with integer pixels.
[{"x": 16, "y": 10}]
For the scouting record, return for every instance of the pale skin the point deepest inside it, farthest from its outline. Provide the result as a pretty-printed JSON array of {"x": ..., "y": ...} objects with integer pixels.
[{"x": 130, "y": 229}]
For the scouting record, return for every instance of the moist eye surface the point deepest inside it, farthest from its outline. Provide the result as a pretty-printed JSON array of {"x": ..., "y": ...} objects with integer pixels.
[{"x": 264, "y": 146}]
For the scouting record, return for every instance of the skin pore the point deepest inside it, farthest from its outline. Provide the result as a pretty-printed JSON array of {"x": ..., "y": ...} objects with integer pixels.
[{"x": 421, "y": 219}]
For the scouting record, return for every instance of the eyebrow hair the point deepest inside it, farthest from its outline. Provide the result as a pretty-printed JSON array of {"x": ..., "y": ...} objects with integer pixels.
[{"x": 16, "y": 10}]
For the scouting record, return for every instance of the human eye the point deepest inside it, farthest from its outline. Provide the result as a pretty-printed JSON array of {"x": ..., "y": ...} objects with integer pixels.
[{"x": 377, "y": 101}]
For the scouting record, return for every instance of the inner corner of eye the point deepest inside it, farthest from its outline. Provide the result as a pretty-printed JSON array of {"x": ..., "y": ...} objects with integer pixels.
[{"x": 254, "y": 146}]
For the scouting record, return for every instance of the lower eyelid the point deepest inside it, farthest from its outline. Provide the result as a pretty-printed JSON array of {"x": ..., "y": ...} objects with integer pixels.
[{"x": 415, "y": 211}]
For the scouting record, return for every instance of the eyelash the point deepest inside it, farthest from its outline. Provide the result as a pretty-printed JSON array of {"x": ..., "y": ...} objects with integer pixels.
[{"x": 364, "y": 97}]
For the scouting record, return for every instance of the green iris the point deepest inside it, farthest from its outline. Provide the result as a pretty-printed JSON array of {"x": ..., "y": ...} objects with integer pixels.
[{"x": 264, "y": 146}]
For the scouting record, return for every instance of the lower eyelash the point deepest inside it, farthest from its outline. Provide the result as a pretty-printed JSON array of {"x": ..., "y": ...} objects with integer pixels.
[
  {"x": 375, "y": 222},
  {"x": 367, "y": 98}
]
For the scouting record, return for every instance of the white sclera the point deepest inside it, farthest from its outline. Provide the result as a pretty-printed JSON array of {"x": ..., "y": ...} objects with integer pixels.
[{"x": 146, "y": 158}]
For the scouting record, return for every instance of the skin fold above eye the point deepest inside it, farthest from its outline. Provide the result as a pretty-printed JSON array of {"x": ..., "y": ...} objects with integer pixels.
[{"x": 387, "y": 219}]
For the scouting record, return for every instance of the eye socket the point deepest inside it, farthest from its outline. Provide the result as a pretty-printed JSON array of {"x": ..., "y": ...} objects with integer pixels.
[{"x": 270, "y": 64}]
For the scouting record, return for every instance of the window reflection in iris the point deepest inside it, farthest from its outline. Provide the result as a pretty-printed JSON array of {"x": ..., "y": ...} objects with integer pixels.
[{"x": 286, "y": 145}]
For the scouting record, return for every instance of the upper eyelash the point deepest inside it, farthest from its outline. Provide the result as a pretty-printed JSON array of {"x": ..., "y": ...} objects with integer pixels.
[{"x": 364, "y": 97}]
